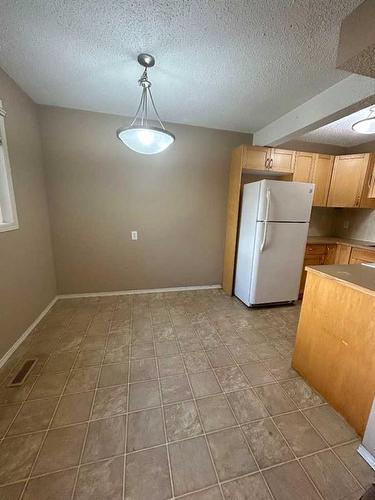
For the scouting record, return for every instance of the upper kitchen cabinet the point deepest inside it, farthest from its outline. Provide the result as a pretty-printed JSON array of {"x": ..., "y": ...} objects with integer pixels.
[
  {"x": 303, "y": 166},
  {"x": 350, "y": 183},
  {"x": 271, "y": 160},
  {"x": 368, "y": 191},
  {"x": 256, "y": 158},
  {"x": 315, "y": 168},
  {"x": 282, "y": 160},
  {"x": 321, "y": 177}
]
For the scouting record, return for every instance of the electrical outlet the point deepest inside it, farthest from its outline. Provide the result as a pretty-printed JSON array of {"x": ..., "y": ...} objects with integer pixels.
[
  {"x": 134, "y": 235},
  {"x": 346, "y": 224}
]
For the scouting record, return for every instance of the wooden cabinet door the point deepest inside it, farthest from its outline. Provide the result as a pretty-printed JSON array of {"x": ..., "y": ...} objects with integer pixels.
[
  {"x": 321, "y": 177},
  {"x": 368, "y": 192},
  {"x": 282, "y": 160},
  {"x": 361, "y": 255},
  {"x": 330, "y": 256},
  {"x": 347, "y": 180},
  {"x": 303, "y": 167},
  {"x": 256, "y": 158},
  {"x": 310, "y": 260},
  {"x": 371, "y": 192},
  {"x": 342, "y": 254}
]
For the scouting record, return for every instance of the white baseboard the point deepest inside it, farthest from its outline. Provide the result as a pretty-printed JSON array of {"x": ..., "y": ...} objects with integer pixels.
[
  {"x": 26, "y": 333},
  {"x": 8, "y": 354},
  {"x": 138, "y": 292},
  {"x": 366, "y": 455}
]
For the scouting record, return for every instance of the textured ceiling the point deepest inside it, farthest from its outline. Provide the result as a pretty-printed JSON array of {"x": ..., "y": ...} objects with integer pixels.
[
  {"x": 229, "y": 64},
  {"x": 340, "y": 132}
]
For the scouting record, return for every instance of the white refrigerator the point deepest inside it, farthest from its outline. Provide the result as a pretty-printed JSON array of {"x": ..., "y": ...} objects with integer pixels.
[{"x": 274, "y": 223}]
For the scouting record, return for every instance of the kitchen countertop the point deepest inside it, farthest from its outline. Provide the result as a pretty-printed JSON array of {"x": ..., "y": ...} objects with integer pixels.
[
  {"x": 326, "y": 240},
  {"x": 358, "y": 276}
]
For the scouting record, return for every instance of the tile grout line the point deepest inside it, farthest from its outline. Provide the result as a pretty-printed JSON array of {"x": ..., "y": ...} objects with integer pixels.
[
  {"x": 162, "y": 412},
  {"x": 177, "y": 339},
  {"x": 285, "y": 440},
  {"x": 236, "y": 420},
  {"x": 79, "y": 465},
  {"x": 51, "y": 419},
  {"x": 37, "y": 375},
  {"x": 331, "y": 448},
  {"x": 177, "y": 441},
  {"x": 128, "y": 394},
  {"x": 200, "y": 419}
]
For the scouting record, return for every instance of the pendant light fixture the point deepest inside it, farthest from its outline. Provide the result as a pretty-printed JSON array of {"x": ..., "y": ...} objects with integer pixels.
[
  {"x": 366, "y": 126},
  {"x": 140, "y": 136}
]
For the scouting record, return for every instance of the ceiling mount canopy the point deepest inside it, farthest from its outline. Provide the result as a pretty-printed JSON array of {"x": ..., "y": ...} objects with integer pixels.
[
  {"x": 140, "y": 136},
  {"x": 366, "y": 126}
]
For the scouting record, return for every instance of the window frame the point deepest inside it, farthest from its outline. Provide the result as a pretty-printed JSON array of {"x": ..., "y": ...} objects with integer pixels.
[{"x": 6, "y": 176}]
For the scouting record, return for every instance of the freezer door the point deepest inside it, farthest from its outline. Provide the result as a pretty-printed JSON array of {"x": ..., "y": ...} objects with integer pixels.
[
  {"x": 288, "y": 201},
  {"x": 277, "y": 269}
]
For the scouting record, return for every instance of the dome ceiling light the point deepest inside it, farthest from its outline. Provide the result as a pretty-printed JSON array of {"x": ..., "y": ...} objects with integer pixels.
[
  {"x": 366, "y": 126},
  {"x": 139, "y": 136}
]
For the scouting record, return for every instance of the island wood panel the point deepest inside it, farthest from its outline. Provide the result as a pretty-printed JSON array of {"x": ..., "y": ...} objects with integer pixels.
[
  {"x": 233, "y": 205},
  {"x": 335, "y": 346}
]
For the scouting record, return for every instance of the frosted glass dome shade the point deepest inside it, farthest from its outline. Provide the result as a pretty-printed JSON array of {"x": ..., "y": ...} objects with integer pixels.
[
  {"x": 146, "y": 140},
  {"x": 366, "y": 126}
]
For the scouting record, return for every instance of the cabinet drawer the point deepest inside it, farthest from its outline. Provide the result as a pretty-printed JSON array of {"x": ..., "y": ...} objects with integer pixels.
[
  {"x": 315, "y": 249},
  {"x": 359, "y": 255}
]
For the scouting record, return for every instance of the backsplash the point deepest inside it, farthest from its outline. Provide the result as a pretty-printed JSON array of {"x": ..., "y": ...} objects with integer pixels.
[
  {"x": 322, "y": 221},
  {"x": 361, "y": 223}
]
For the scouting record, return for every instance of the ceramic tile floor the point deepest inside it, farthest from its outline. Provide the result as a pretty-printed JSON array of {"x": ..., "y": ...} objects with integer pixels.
[{"x": 170, "y": 395}]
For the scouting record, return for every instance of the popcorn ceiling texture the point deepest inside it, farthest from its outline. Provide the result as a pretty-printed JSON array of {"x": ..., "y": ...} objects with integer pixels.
[{"x": 234, "y": 65}]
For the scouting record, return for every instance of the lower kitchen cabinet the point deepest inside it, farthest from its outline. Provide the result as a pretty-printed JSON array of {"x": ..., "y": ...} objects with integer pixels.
[
  {"x": 361, "y": 256},
  {"x": 314, "y": 256},
  {"x": 342, "y": 254},
  {"x": 317, "y": 254}
]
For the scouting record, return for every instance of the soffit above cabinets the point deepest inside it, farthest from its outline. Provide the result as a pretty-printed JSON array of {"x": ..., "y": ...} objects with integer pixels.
[{"x": 340, "y": 132}]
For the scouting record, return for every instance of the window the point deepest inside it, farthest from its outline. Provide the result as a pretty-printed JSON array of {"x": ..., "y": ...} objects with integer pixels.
[{"x": 8, "y": 212}]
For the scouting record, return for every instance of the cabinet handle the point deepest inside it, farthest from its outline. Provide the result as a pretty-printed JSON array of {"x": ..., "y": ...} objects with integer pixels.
[
  {"x": 271, "y": 162},
  {"x": 357, "y": 201},
  {"x": 267, "y": 163}
]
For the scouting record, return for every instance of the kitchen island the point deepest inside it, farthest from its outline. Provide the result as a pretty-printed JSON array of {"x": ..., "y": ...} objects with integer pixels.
[{"x": 335, "y": 344}]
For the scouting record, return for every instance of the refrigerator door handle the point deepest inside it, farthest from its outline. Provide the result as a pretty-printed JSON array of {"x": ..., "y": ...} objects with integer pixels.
[{"x": 268, "y": 196}]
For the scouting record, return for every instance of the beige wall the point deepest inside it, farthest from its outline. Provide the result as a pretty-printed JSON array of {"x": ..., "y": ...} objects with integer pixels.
[
  {"x": 27, "y": 282},
  {"x": 99, "y": 191}
]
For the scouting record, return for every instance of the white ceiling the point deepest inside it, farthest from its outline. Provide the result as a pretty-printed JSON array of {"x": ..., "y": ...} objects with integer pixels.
[
  {"x": 340, "y": 132},
  {"x": 228, "y": 64}
]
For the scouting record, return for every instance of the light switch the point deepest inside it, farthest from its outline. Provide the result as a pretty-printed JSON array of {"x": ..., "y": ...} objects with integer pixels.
[{"x": 134, "y": 235}]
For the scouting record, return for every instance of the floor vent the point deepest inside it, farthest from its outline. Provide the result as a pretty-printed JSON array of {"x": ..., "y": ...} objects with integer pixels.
[{"x": 23, "y": 373}]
